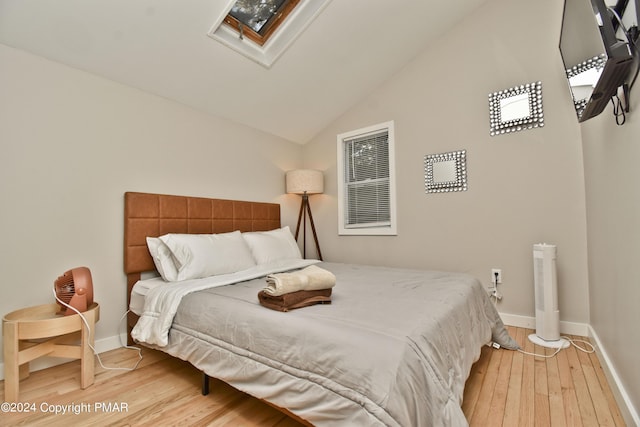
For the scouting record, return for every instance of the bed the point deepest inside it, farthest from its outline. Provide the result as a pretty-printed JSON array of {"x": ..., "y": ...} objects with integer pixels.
[{"x": 394, "y": 347}]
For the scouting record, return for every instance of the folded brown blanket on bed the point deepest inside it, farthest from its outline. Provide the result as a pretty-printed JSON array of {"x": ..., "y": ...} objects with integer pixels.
[{"x": 294, "y": 300}]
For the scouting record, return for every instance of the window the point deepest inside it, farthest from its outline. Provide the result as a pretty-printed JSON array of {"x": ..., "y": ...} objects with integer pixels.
[
  {"x": 366, "y": 181},
  {"x": 262, "y": 30},
  {"x": 258, "y": 19}
]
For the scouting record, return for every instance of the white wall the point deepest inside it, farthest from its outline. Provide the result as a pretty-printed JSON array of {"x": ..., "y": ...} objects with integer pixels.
[
  {"x": 611, "y": 155},
  {"x": 73, "y": 143},
  {"x": 524, "y": 188}
]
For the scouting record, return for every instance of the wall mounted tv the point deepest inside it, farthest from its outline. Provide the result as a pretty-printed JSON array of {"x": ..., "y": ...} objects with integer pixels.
[{"x": 598, "y": 51}]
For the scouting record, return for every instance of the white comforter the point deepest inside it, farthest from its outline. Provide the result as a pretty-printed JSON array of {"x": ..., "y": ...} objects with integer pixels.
[{"x": 162, "y": 302}]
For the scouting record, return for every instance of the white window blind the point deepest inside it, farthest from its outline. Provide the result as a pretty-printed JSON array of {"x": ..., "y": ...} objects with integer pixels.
[{"x": 366, "y": 182}]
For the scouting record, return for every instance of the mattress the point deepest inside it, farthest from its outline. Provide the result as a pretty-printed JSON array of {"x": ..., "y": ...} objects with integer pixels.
[{"x": 394, "y": 347}]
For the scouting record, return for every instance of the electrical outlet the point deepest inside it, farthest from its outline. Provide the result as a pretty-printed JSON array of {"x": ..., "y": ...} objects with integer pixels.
[{"x": 496, "y": 276}]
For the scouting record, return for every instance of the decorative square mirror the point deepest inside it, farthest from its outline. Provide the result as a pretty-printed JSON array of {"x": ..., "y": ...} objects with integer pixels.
[
  {"x": 515, "y": 109},
  {"x": 445, "y": 172}
]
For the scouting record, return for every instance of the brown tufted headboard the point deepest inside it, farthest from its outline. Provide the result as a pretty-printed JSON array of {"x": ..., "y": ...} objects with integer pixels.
[{"x": 152, "y": 215}]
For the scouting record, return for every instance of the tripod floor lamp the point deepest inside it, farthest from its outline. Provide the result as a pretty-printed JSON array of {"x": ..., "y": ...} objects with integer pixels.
[{"x": 305, "y": 182}]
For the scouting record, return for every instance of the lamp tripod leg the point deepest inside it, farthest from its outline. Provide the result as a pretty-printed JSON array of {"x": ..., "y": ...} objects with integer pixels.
[
  {"x": 305, "y": 209},
  {"x": 315, "y": 235},
  {"x": 299, "y": 219},
  {"x": 305, "y": 205}
]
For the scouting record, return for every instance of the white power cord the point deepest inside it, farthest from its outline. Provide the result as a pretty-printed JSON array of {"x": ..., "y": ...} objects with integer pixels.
[
  {"x": 493, "y": 293},
  {"x": 590, "y": 349},
  {"x": 86, "y": 323}
]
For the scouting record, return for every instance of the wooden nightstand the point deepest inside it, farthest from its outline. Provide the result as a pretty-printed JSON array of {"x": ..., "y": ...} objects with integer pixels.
[{"x": 38, "y": 331}]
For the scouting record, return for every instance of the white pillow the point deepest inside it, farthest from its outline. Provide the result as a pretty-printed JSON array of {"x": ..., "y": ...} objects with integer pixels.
[
  {"x": 203, "y": 255},
  {"x": 162, "y": 259},
  {"x": 273, "y": 245}
]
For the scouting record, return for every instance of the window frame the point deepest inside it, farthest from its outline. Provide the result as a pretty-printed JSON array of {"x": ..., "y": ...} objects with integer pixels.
[
  {"x": 375, "y": 230},
  {"x": 258, "y": 38}
]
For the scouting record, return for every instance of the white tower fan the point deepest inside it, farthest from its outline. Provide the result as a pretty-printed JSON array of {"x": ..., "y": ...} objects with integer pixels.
[{"x": 546, "y": 293}]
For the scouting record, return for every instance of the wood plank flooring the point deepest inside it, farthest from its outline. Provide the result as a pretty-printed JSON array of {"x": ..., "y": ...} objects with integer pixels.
[
  {"x": 505, "y": 388},
  {"x": 509, "y": 388}
]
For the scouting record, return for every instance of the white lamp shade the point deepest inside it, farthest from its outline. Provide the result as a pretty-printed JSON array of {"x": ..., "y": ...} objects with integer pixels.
[{"x": 300, "y": 181}]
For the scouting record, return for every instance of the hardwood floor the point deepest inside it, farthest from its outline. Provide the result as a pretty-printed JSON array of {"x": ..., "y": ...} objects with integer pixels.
[
  {"x": 509, "y": 388},
  {"x": 505, "y": 388}
]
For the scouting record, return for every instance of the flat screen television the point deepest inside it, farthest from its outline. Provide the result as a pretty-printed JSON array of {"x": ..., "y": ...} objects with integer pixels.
[{"x": 596, "y": 62}]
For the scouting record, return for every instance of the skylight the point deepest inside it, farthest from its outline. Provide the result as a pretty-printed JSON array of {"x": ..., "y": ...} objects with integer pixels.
[
  {"x": 259, "y": 19},
  {"x": 263, "y": 29}
]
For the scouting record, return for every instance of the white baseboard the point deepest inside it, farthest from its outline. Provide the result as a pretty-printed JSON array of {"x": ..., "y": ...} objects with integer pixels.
[
  {"x": 101, "y": 345},
  {"x": 571, "y": 328},
  {"x": 629, "y": 413}
]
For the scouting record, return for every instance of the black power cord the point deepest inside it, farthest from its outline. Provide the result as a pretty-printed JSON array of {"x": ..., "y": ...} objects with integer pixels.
[{"x": 631, "y": 34}]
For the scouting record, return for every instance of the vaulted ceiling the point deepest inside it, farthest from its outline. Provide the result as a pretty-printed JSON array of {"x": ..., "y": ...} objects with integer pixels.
[{"x": 162, "y": 47}]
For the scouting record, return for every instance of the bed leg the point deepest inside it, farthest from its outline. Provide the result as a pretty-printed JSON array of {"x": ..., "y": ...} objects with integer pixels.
[{"x": 205, "y": 384}]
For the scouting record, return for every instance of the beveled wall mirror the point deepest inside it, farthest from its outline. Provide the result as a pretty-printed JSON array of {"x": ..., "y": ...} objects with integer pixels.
[
  {"x": 515, "y": 109},
  {"x": 445, "y": 172}
]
